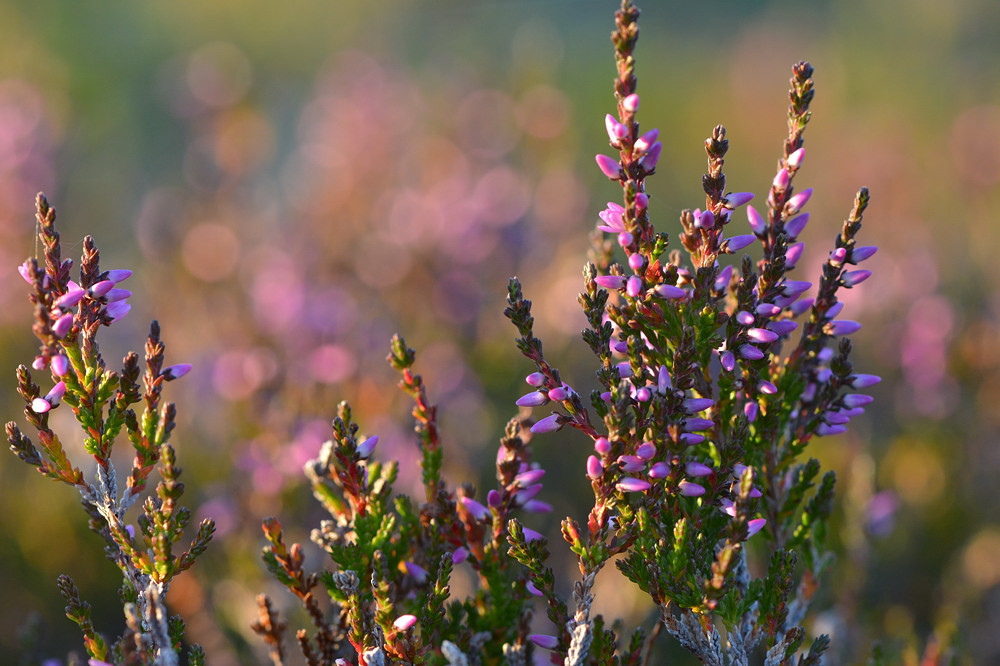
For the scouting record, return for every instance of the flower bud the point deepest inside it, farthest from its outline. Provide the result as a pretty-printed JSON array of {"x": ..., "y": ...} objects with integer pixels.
[
  {"x": 859, "y": 254},
  {"x": 602, "y": 445},
  {"x": 609, "y": 166},
  {"x": 728, "y": 361},
  {"x": 594, "y": 467},
  {"x": 646, "y": 141},
  {"x": 851, "y": 278},
  {"x": 535, "y": 379},
  {"x": 736, "y": 199},
  {"x": 697, "y": 469},
  {"x": 69, "y": 299},
  {"x": 610, "y": 281},
  {"x": 795, "y": 159},
  {"x": 631, "y": 103},
  {"x": 404, "y": 622},
  {"x": 176, "y": 371},
  {"x": 669, "y": 292},
  {"x": 616, "y": 131},
  {"x": 795, "y": 204},
  {"x": 60, "y": 365},
  {"x": 761, "y": 335},
  {"x": 744, "y": 318},
  {"x": 633, "y": 485},
  {"x": 101, "y": 288},
  {"x": 757, "y": 223},
  {"x": 755, "y": 525},
  {"x": 62, "y": 326},
  {"x": 633, "y": 286},
  {"x": 119, "y": 275},
  {"x": 659, "y": 470},
  {"x": 737, "y": 243},
  {"x": 646, "y": 450},
  {"x": 780, "y": 182},
  {"x": 545, "y": 641},
  {"x": 793, "y": 254},
  {"x": 367, "y": 447},
  {"x": 548, "y": 424},
  {"x": 689, "y": 489},
  {"x": 533, "y": 399}
]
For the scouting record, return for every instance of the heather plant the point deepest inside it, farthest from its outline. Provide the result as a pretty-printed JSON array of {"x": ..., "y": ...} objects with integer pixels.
[{"x": 712, "y": 378}]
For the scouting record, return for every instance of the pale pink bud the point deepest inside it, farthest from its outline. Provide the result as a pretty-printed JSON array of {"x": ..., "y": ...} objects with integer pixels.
[
  {"x": 62, "y": 326},
  {"x": 55, "y": 395},
  {"x": 636, "y": 261},
  {"x": 367, "y": 447},
  {"x": 838, "y": 256},
  {"x": 755, "y": 525},
  {"x": 40, "y": 405},
  {"x": 616, "y": 131},
  {"x": 646, "y": 141},
  {"x": 631, "y": 464},
  {"x": 643, "y": 395},
  {"x": 404, "y": 622},
  {"x": 697, "y": 469},
  {"x": 602, "y": 446},
  {"x": 38, "y": 363},
  {"x": 609, "y": 166},
  {"x": 633, "y": 485},
  {"x": 669, "y": 292},
  {"x": 737, "y": 243},
  {"x": 797, "y": 201},
  {"x": 659, "y": 470},
  {"x": 795, "y": 159},
  {"x": 792, "y": 288},
  {"x": 610, "y": 281},
  {"x": 689, "y": 489},
  {"x": 757, "y": 223},
  {"x": 117, "y": 310},
  {"x": 728, "y": 361},
  {"x": 548, "y": 424},
  {"x": 69, "y": 299},
  {"x": 24, "y": 270},
  {"x": 60, "y": 365},
  {"x": 560, "y": 393},
  {"x": 641, "y": 201},
  {"x": 533, "y": 399},
  {"x": 535, "y": 379},
  {"x": 745, "y": 318},
  {"x": 119, "y": 275},
  {"x": 723, "y": 278},
  {"x": 631, "y": 103},
  {"x": 594, "y": 467},
  {"x": 624, "y": 239},
  {"x": 736, "y": 199},
  {"x": 633, "y": 286},
  {"x": 780, "y": 182}
]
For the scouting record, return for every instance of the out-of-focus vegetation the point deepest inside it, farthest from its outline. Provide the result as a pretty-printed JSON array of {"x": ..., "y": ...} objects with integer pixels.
[{"x": 296, "y": 181}]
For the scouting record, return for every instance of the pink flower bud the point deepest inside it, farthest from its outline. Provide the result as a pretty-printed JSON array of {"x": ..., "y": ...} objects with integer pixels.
[
  {"x": 24, "y": 270},
  {"x": 493, "y": 499},
  {"x": 838, "y": 256},
  {"x": 632, "y": 485},
  {"x": 119, "y": 275},
  {"x": 697, "y": 469},
  {"x": 824, "y": 430},
  {"x": 767, "y": 309},
  {"x": 633, "y": 286},
  {"x": 55, "y": 395},
  {"x": 544, "y": 641},
  {"x": 548, "y": 424},
  {"x": 602, "y": 445},
  {"x": 533, "y": 399},
  {"x": 744, "y": 318},
  {"x": 610, "y": 281},
  {"x": 757, "y": 223},
  {"x": 60, "y": 365},
  {"x": 525, "y": 479},
  {"x": 117, "y": 295},
  {"x": 689, "y": 489},
  {"x": 737, "y": 243},
  {"x": 649, "y": 160},
  {"x": 616, "y": 131},
  {"x": 624, "y": 239},
  {"x": 117, "y": 310},
  {"x": 535, "y": 379},
  {"x": 643, "y": 395},
  {"x": 646, "y": 141},
  {"x": 767, "y": 388},
  {"x": 631, "y": 103},
  {"x": 761, "y": 335},
  {"x": 594, "y": 467},
  {"x": 631, "y": 464},
  {"x": 609, "y": 166},
  {"x": 475, "y": 509},
  {"x": 624, "y": 370},
  {"x": 795, "y": 204},
  {"x": 755, "y": 525},
  {"x": 176, "y": 371},
  {"x": 38, "y": 363},
  {"x": 659, "y": 470},
  {"x": 863, "y": 381},
  {"x": 62, "y": 326},
  {"x": 460, "y": 555},
  {"x": 669, "y": 292},
  {"x": 367, "y": 447},
  {"x": 799, "y": 307},
  {"x": 793, "y": 254},
  {"x": 641, "y": 202},
  {"x": 722, "y": 280},
  {"x": 780, "y": 181},
  {"x": 404, "y": 622},
  {"x": 793, "y": 288},
  {"x": 636, "y": 262},
  {"x": 795, "y": 159},
  {"x": 69, "y": 299},
  {"x": 736, "y": 199},
  {"x": 101, "y": 288},
  {"x": 40, "y": 405},
  {"x": 705, "y": 221},
  {"x": 750, "y": 410},
  {"x": 531, "y": 535}
]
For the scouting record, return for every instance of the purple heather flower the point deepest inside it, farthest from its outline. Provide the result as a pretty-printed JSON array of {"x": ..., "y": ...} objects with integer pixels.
[
  {"x": 624, "y": 239},
  {"x": 696, "y": 424},
  {"x": 560, "y": 393},
  {"x": 612, "y": 217},
  {"x": 532, "y": 589},
  {"x": 792, "y": 288},
  {"x": 117, "y": 295},
  {"x": 616, "y": 131},
  {"x": 477, "y": 510},
  {"x": 652, "y": 156},
  {"x": 736, "y": 199},
  {"x": 38, "y": 363},
  {"x": 176, "y": 371},
  {"x": 854, "y": 411},
  {"x": 859, "y": 254},
  {"x": 857, "y": 400},
  {"x": 40, "y": 405},
  {"x": 669, "y": 292},
  {"x": 634, "y": 286},
  {"x": 606, "y": 396},
  {"x": 767, "y": 309},
  {"x": 767, "y": 387},
  {"x": 636, "y": 262},
  {"x": 630, "y": 484},
  {"x": 795, "y": 159},
  {"x": 404, "y": 622},
  {"x": 643, "y": 395},
  {"x": 690, "y": 489},
  {"x": 535, "y": 379},
  {"x": 619, "y": 346},
  {"x": 780, "y": 181},
  {"x": 659, "y": 470},
  {"x": 60, "y": 365},
  {"x": 795, "y": 204},
  {"x": 641, "y": 201},
  {"x": 646, "y": 141},
  {"x": 783, "y": 327},
  {"x": 631, "y": 464},
  {"x": 801, "y": 306},
  {"x": 55, "y": 395},
  {"x": 858, "y": 381},
  {"x": 69, "y": 299},
  {"x": 117, "y": 310},
  {"x": 624, "y": 370},
  {"x": 695, "y": 405},
  {"x": 728, "y": 361},
  {"x": 545, "y": 641},
  {"x": 842, "y": 327},
  {"x": 761, "y": 335},
  {"x": 795, "y": 226},
  {"x": 646, "y": 450},
  {"x": 531, "y": 535},
  {"x": 533, "y": 399},
  {"x": 460, "y": 555},
  {"x": 793, "y": 254},
  {"x": 610, "y": 281},
  {"x": 101, "y": 288},
  {"x": 824, "y": 430},
  {"x": 602, "y": 445},
  {"x": 609, "y": 166},
  {"x": 834, "y": 309},
  {"x": 119, "y": 275},
  {"x": 838, "y": 256},
  {"x": 24, "y": 270},
  {"x": 525, "y": 479},
  {"x": 63, "y": 325},
  {"x": 417, "y": 572},
  {"x": 548, "y": 424},
  {"x": 705, "y": 221},
  {"x": 631, "y": 103},
  {"x": 836, "y": 418},
  {"x": 524, "y": 496},
  {"x": 594, "y": 467},
  {"x": 697, "y": 469},
  {"x": 750, "y": 410},
  {"x": 751, "y": 353},
  {"x": 663, "y": 382},
  {"x": 537, "y": 506},
  {"x": 723, "y": 278},
  {"x": 851, "y": 278},
  {"x": 728, "y": 507},
  {"x": 755, "y": 525},
  {"x": 690, "y": 439},
  {"x": 757, "y": 224},
  {"x": 737, "y": 243}
]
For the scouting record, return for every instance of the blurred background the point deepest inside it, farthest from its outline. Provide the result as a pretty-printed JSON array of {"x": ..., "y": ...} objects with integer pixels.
[{"x": 294, "y": 182}]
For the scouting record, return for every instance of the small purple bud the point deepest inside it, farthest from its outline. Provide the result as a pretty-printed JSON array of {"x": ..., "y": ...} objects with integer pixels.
[
  {"x": 367, "y": 447},
  {"x": 695, "y": 405},
  {"x": 757, "y": 224},
  {"x": 24, "y": 270},
  {"x": 689, "y": 489},
  {"x": 728, "y": 507},
  {"x": 117, "y": 295},
  {"x": 624, "y": 370},
  {"x": 793, "y": 254},
  {"x": 533, "y": 399},
  {"x": 780, "y": 181},
  {"x": 857, "y": 400},
  {"x": 792, "y": 288},
  {"x": 761, "y": 335},
  {"x": 697, "y": 469},
  {"x": 706, "y": 220},
  {"x": 535, "y": 379},
  {"x": 646, "y": 141},
  {"x": 531, "y": 535},
  {"x": 859, "y": 254},
  {"x": 525, "y": 479},
  {"x": 619, "y": 346},
  {"x": 767, "y": 309},
  {"x": 751, "y": 353},
  {"x": 631, "y": 464},
  {"x": 842, "y": 327},
  {"x": 530, "y": 587},
  {"x": 795, "y": 204},
  {"x": 797, "y": 224},
  {"x": 633, "y": 485},
  {"x": 117, "y": 310},
  {"x": 755, "y": 525},
  {"x": 609, "y": 166},
  {"x": 836, "y": 418},
  {"x": 493, "y": 499},
  {"x": 641, "y": 201},
  {"x": 548, "y": 424},
  {"x": 606, "y": 396},
  {"x": 560, "y": 393},
  {"x": 744, "y": 318},
  {"x": 750, "y": 410},
  {"x": 857, "y": 381},
  {"x": 690, "y": 439},
  {"x": 176, "y": 371},
  {"x": 594, "y": 467},
  {"x": 851, "y": 278},
  {"x": 602, "y": 446},
  {"x": 634, "y": 286},
  {"x": 646, "y": 450},
  {"x": 824, "y": 430},
  {"x": 663, "y": 382},
  {"x": 669, "y": 292},
  {"x": 854, "y": 411},
  {"x": 610, "y": 281},
  {"x": 119, "y": 275},
  {"x": 624, "y": 239},
  {"x": 659, "y": 470},
  {"x": 636, "y": 262},
  {"x": 101, "y": 288},
  {"x": 838, "y": 256},
  {"x": 800, "y": 307},
  {"x": 643, "y": 395},
  {"x": 783, "y": 327},
  {"x": 723, "y": 278},
  {"x": 795, "y": 159},
  {"x": 631, "y": 103},
  {"x": 767, "y": 388},
  {"x": 616, "y": 131},
  {"x": 545, "y": 641},
  {"x": 737, "y": 199},
  {"x": 460, "y": 555},
  {"x": 60, "y": 365},
  {"x": 475, "y": 509},
  {"x": 404, "y": 622},
  {"x": 648, "y": 162},
  {"x": 62, "y": 326},
  {"x": 696, "y": 424},
  {"x": 728, "y": 360},
  {"x": 537, "y": 506},
  {"x": 69, "y": 299},
  {"x": 55, "y": 395},
  {"x": 40, "y": 405},
  {"x": 38, "y": 363},
  {"x": 737, "y": 243}
]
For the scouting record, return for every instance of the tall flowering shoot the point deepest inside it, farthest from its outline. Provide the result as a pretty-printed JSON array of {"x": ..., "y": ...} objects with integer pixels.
[
  {"x": 714, "y": 376},
  {"x": 67, "y": 318}
]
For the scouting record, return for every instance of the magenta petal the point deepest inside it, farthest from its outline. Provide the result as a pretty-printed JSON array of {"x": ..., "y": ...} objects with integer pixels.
[
  {"x": 633, "y": 485},
  {"x": 544, "y": 641},
  {"x": 609, "y": 166},
  {"x": 404, "y": 622}
]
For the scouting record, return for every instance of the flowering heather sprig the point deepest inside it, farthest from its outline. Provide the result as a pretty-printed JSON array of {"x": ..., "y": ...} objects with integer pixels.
[{"x": 67, "y": 317}]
